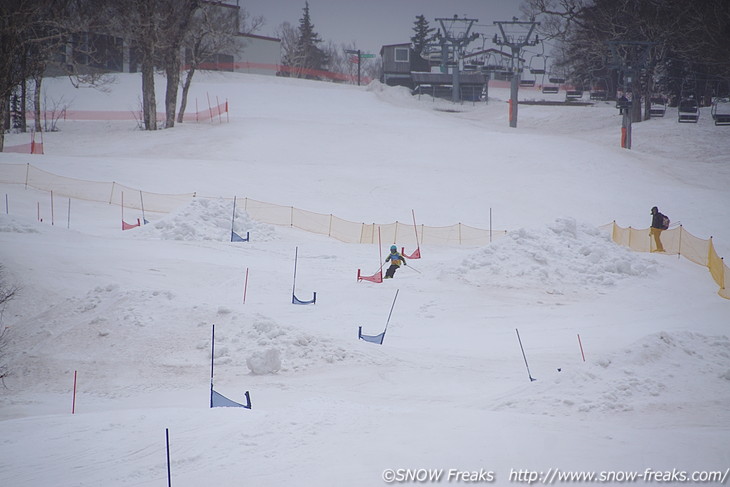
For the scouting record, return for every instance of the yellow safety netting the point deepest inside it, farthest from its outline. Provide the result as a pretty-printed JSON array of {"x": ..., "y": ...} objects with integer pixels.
[{"x": 676, "y": 241}]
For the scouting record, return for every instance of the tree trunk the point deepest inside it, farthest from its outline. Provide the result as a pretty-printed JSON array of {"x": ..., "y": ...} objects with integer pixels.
[
  {"x": 23, "y": 104},
  {"x": 636, "y": 108},
  {"x": 3, "y": 120},
  {"x": 172, "y": 70},
  {"x": 37, "y": 102},
  {"x": 185, "y": 90},
  {"x": 149, "y": 104}
]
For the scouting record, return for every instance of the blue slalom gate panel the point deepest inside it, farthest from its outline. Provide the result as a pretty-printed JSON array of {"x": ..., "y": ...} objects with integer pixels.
[
  {"x": 220, "y": 401},
  {"x": 237, "y": 238},
  {"x": 371, "y": 338},
  {"x": 296, "y": 300}
]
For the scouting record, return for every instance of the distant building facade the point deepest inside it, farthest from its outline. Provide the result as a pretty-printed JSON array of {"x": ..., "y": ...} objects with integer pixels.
[
  {"x": 117, "y": 54},
  {"x": 403, "y": 67},
  {"x": 399, "y": 60}
]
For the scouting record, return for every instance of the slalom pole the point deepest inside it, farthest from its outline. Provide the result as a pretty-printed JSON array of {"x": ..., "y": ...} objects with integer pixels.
[
  {"x": 380, "y": 248},
  {"x": 141, "y": 200},
  {"x": 490, "y": 225},
  {"x": 415, "y": 230},
  {"x": 391, "y": 312},
  {"x": 581, "y": 348},
  {"x": 167, "y": 445},
  {"x": 68, "y": 219},
  {"x": 122, "y": 210},
  {"x": 210, "y": 110},
  {"x": 294, "y": 284},
  {"x": 52, "y": 215},
  {"x": 245, "y": 286},
  {"x": 523, "y": 356},
  {"x": 380, "y": 252},
  {"x": 73, "y": 403},
  {"x": 212, "y": 359},
  {"x": 233, "y": 218}
]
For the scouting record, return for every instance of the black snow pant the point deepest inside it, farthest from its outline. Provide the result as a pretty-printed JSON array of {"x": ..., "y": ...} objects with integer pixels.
[{"x": 391, "y": 270}]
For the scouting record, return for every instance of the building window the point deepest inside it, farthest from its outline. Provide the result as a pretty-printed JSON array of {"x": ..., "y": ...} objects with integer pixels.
[{"x": 401, "y": 54}]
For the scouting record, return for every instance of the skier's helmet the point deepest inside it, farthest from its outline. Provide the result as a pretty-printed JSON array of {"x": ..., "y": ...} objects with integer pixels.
[{"x": 393, "y": 248}]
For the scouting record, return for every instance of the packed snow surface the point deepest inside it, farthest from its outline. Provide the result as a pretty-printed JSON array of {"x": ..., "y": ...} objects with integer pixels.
[{"x": 549, "y": 349}]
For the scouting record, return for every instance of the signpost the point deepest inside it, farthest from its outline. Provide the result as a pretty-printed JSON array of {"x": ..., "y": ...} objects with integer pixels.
[{"x": 360, "y": 57}]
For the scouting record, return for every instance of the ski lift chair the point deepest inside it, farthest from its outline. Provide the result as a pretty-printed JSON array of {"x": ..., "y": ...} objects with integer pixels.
[
  {"x": 555, "y": 82},
  {"x": 527, "y": 83},
  {"x": 573, "y": 95},
  {"x": 688, "y": 111},
  {"x": 623, "y": 104},
  {"x": 721, "y": 111},
  {"x": 538, "y": 69},
  {"x": 599, "y": 90},
  {"x": 657, "y": 106}
]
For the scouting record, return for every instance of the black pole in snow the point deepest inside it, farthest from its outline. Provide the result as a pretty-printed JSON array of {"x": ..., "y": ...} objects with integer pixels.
[
  {"x": 523, "y": 355},
  {"x": 212, "y": 359},
  {"x": 167, "y": 443}
]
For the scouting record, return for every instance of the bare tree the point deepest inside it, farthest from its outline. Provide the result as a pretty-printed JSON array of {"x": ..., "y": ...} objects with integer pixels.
[
  {"x": 289, "y": 37},
  {"x": 176, "y": 28},
  {"x": 213, "y": 31},
  {"x": 157, "y": 29},
  {"x": 38, "y": 33},
  {"x": 342, "y": 60},
  {"x": 142, "y": 21},
  {"x": 23, "y": 28},
  {"x": 683, "y": 39},
  {"x": 7, "y": 293}
]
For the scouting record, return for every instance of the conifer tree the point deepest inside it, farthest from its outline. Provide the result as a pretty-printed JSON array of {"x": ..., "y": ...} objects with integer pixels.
[
  {"x": 307, "y": 56},
  {"x": 422, "y": 33}
]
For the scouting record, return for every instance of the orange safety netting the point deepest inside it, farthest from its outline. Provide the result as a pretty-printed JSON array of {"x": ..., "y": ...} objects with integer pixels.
[{"x": 214, "y": 112}]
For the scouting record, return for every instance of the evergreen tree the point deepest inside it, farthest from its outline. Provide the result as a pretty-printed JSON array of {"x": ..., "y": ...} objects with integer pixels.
[
  {"x": 307, "y": 56},
  {"x": 422, "y": 34}
]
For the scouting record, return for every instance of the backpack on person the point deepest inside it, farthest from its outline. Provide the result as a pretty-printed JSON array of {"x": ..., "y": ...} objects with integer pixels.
[{"x": 665, "y": 222}]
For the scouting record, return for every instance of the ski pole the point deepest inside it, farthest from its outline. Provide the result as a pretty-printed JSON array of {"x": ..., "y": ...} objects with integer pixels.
[{"x": 409, "y": 267}]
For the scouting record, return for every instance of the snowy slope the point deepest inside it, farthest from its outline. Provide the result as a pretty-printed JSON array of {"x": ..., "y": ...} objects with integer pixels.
[{"x": 132, "y": 312}]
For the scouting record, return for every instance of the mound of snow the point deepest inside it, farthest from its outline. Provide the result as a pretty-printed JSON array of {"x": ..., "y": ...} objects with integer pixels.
[
  {"x": 206, "y": 219},
  {"x": 660, "y": 372},
  {"x": 266, "y": 362},
  {"x": 12, "y": 225},
  {"x": 564, "y": 255},
  {"x": 267, "y": 347}
]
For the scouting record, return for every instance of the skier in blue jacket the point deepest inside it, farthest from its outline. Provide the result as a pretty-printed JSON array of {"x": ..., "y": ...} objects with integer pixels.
[{"x": 395, "y": 259}]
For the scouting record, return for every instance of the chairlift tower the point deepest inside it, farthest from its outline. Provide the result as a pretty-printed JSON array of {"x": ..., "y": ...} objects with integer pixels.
[
  {"x": 516, "y": 45},
  {"x": 458, "y": 44},
  {"x": 629, "y": 58}
]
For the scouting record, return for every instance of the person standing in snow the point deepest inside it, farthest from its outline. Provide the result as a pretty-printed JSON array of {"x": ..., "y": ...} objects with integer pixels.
[
  {"x": 657, "y": 225},
  {"x": 395, "y": 259}
]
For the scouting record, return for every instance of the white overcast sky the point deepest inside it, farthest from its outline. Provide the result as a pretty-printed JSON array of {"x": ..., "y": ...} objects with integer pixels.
[{"x": 371, "y": 24}]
